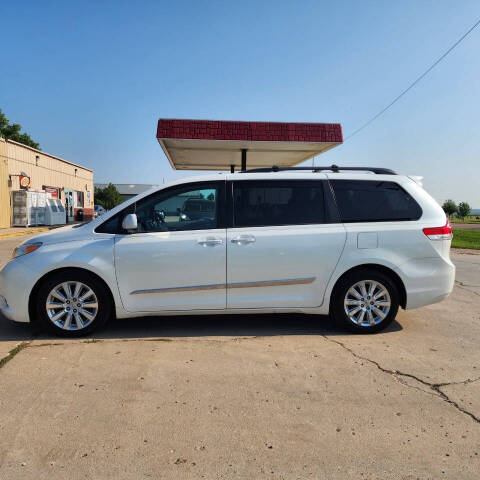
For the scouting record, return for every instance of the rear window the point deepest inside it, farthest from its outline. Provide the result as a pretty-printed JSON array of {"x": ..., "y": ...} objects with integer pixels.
[{"x": 374, "y": 201}]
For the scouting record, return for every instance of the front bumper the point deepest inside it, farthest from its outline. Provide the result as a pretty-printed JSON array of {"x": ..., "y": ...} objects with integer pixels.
[{"x": 16, "y": 283}]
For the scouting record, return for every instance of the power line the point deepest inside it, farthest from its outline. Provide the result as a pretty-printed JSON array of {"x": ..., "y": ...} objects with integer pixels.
[{"x": 367, "y": 123}]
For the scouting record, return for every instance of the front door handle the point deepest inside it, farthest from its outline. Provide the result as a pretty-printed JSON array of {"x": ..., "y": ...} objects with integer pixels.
[
  {"x": 209, "y": 241},
  {"x": 243, "y": 239}
]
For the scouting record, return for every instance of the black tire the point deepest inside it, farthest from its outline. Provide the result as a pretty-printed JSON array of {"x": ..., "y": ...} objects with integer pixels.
[
  {"x": 103, "y": 301},
  {"x": 351, "y": 279}
]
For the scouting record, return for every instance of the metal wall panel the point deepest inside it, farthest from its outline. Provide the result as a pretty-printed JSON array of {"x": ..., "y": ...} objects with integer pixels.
[{"x": 4, "y": 190}]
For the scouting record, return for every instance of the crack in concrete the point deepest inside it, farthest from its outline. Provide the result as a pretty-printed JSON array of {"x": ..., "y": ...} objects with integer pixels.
[
  {"x": 155, "y": 339},
  {"x": 463, "y": 286},
  {"x": 49, "y": 344},
  {"x": 28, "y": 344},
  {"x": 462, "y": 382},
  {"x": 434, "y": 387},
  {"x": 13, "y": 352}
]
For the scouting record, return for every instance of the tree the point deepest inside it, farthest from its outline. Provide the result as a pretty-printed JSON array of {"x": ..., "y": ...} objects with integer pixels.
[
  {"x": 464, "y": 209},
  {"x": 449, "y": 207},
  {"x": 108, "y": 197},
  {"x": 12, "y": 132}
]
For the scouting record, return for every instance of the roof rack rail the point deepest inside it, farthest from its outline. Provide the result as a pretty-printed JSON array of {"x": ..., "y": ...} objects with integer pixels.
[{"x": 333, "y": 168}]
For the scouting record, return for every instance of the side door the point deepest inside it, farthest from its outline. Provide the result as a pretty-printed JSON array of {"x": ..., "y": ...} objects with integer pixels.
[
  {"x": 283, "y": 245},
  {"x": 176, "y": 260}
]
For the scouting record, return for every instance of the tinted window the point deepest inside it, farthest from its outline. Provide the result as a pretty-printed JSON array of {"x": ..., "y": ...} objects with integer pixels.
[
  {"x": 258, "y": 203},
  {"x": 374, "y": 201},
  {"x": 188, "y": 207}
]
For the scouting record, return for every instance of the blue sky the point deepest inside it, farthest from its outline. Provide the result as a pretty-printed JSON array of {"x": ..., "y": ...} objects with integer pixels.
[{"x": 88, "y": 80}]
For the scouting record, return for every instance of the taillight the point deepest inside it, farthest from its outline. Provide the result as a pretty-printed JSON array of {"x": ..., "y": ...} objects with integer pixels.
[{"x": 439, "y": 233}]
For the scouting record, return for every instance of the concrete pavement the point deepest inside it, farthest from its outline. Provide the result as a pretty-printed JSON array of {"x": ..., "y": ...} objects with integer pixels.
[{"x": 273, "y": 396}]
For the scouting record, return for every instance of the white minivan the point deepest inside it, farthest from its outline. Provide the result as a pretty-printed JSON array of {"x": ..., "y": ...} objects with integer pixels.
[{"x": 356, "y": 245}]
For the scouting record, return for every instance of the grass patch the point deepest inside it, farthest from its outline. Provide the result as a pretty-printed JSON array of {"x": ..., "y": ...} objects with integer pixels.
[
  {"x": 466, "y": 239},
  {"x": 12, "y": 353}
]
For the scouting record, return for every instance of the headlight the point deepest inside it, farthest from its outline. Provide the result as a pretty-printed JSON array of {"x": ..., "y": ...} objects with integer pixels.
[{"x": 25, "y": 248}]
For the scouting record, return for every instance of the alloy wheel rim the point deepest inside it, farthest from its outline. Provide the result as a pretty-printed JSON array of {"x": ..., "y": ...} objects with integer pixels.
[
  {"x": 367, "y": 303},
  {"x": 71, "y": 305}
]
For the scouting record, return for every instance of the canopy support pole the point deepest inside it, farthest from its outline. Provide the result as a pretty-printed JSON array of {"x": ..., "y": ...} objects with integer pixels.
[{"x": 244, "y": 159}]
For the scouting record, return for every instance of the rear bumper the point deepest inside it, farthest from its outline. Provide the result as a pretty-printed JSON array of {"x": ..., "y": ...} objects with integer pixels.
[
  {"x": 427, "y": 280},
  {"x": 16, "y": 282}
]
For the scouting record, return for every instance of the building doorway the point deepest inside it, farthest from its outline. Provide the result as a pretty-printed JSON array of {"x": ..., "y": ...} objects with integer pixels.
[{"x": 69, "y": 205}]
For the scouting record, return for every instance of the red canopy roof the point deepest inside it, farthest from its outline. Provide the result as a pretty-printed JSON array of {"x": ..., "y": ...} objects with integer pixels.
[{"x": 217, "y": 145}]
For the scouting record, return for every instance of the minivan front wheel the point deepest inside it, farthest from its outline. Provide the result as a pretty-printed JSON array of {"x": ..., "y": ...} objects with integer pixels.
[
  {"x": 365, "y": 301},
  {"x": 72, "y": 303}
]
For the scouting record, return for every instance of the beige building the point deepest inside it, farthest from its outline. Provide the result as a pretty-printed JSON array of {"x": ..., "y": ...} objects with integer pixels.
[{"x": 38, "y": 170}]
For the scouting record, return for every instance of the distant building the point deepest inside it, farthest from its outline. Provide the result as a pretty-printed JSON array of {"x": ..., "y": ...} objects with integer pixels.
[
  {"x": 127, "y": 190},
  {"x": 25, "y": 168}
]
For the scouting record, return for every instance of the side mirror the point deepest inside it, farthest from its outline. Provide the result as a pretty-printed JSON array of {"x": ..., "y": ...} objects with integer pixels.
[{"x": 130, "y": 222}]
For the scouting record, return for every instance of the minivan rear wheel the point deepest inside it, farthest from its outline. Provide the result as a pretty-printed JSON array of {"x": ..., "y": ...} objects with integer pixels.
[
  {"x": 72, "y": 303},
  {"x": 365, "y": 301}
]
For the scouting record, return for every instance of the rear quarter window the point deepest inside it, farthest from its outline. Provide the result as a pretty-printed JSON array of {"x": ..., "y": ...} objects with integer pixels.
[{"x": 374, "y": 201}]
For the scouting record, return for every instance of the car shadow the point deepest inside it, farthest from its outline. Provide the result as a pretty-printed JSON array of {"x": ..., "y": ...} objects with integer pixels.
[{"x": 224, "y": 325}]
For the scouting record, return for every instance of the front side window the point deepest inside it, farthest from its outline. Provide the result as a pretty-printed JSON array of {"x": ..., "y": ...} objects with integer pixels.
[
  {"x": 268, "y": 203},
  {"x": 374, "y": 201},
  {"x": 187, "y": 207},
  {"x": 182, "y": 209}
]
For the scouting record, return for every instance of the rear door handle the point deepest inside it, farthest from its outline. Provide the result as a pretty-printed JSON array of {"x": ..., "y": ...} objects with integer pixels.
[
  {"x": 209, "y": 241},
  {"x": 243, "y": 239}
]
